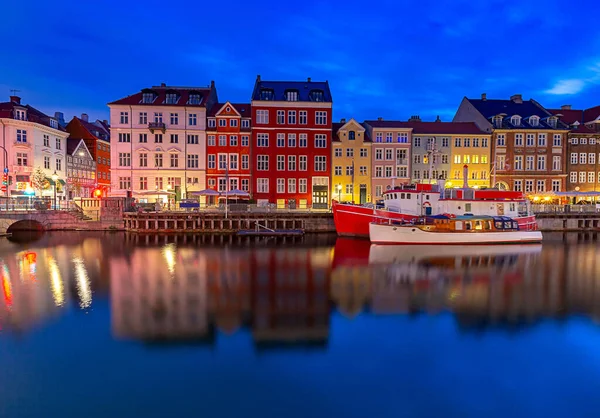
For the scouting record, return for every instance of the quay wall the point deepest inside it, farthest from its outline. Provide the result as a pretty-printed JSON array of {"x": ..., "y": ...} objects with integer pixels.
[{"x": 568, "y": 222}]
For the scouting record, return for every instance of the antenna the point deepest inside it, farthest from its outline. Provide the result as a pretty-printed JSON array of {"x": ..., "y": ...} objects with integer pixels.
[{"x": 14, "y": 92}]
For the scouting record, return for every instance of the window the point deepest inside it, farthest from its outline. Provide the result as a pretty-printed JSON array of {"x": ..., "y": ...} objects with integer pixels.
[
  {"x": 58, "y": 164},
  {"x": 484, "y": 159},
  {"x": 174, "y": 118},
  {"x": 467, "y": 142},
  {"x": 158, "y": 138},
  {"x": 389, "y": 154},
  {"x": 518, "y": 162},
  {"x": 592, "y": 141},
  {"x": 402, "y": 137},
  {"x": 280, "y": 162},
  {"x": 303, "y": 185},
  {"x": 351, "y": 135},
  {"x": 245, "y": 162},
  {"x": 158, "y": 117},
  {"x": 574, "y": 158},
  {"x": 378, "y": 154},
  {"x": 212, "y": 123},
  {"x": 158, "y": 160},
  {"x": 592, "y": 158},
  {"x": 245, "y": 123},
  {"x": 212, "y": 161},
  {"x": 233, "y": 123},
  {"x": 291, "y": 117},
  {"x": 349, "y": 170},
  {"x": 363, "y": 152},
  {"x": 388, "y": 171},
  {"x": 378, "y": 171},
  {"x": 320, "y": 141},
  {"x": 222, "y": 140},
  {"x": 143, "y": 138},
  {"x": 46, "y": 162},
  {"x": 541, "y": 186},
  {"x": 484, "y": 142},
  {"x": 557, "y": 140},
  {"x": 246, "y": 185},
  {"x": 280, "y": 185},
  {"x": 518, "y": 140},
  {"x": 529, "y": 162},
  {"x": 21, "y": 159},
  {"x": 46, "y": 140},
  {"x": 573, "y": 176},
  {"x": 457, "y": 142},
  {"x": 193, "y": 139},
  {"x": 158, "y": 182},
  {"x": 125, "y": 183},
  {"x": 574, "y": 141},
  {"x": 21, "y": 115},
  {"x": 416, "y": 174},
  {"x": 363, "y": 170},
  {"x": 389, "y": 137},
  {"x": 349, "y": 189},
  {"x": 143, "y": 118},
  {"x": 501, "y": 140},
  {"x": 174, "y": 138},
  {"x": 303, "y": 142},
  {"x": 211, "y": 141},
  {"x": 262, "y": 162},
  {"x": 541, "y": 163},
  {"x": 378, "y": 191},
  {"x": 291, "y": 95},
  {"x": 583, "y": 158},
  {"x": 401, "y": 172},
  {"x": 320, "y": 163},
  {"x": 291, "y": 185},
  {"x": 262, "y": 185},
  {"x": 245, "y": 141},
  {"x": 541, "y": 140},
  {"x": 303, "y": 163},
  {"x": 515, "y": 120},
  {"x": 233, "y": 161},
  {"x": 144, "y": 160},
  {"x": 417, "y": 142},
  {"x": 518, "y": 185},
  {"x": 303, "y": 117},
  {"x": 456, "y": 159},
  {"x": 262, "y": 118},
  {"x": 530, "y": 142},
  {"x": 467, "y": 159},
  {"x": 233, "y": 140},
  {"x": 222, "y": 161},
  {"x": 379, "y": 137},
  {"x": 556, "y": 163},
  {"x": 476, "y": 142},
  {"x": 143, "y": 183},
  {"x": 124, "y": 118},
  {"x": 320, "y": 118},
  {"x": 124, "y": 159},
  {"x": 291, "y": 163},
  {"x": 262, "y": 140},
  {"x": 193, "y": 119},
  {"x": 337, "y": 152},
  {"x": 528, "y": 186},
  {"x": 582, "y": 177},
  {"x": 556, "y": 185},
  {"x": 280, "y": 140},
  {"x": 174, "y": 160},
  {"x": 222, "y": 184},
  {"x": 280, "y": 117},
  {"x": 583, "y": 141},
  {"x": 445, "y": 159},
  {"x": 591, "y": 176},
  {"x": 292, "y": 140},
  {"x": 349, "y": 153}
]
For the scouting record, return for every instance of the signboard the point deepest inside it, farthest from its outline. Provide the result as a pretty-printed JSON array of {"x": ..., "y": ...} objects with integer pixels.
[
  {"x": 21, "y": 185},
  {"x": 189, "y": 204}
]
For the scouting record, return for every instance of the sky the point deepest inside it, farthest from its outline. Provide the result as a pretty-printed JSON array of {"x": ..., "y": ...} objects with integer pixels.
[{"x": 386, "y": 58}]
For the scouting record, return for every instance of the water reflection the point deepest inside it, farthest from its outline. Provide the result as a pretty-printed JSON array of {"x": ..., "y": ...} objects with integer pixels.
[{"x": 182, "y": 291}]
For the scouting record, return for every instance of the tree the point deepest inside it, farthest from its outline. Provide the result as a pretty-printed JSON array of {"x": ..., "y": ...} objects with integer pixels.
[{"x": 38, "y": 180}]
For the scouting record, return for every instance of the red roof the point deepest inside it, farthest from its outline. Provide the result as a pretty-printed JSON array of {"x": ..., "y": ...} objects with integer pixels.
[
  {"x": 7, "y": 110},
  {"x": 570, "y": 116},
  {"x": 387, "y": 124},
  {"x": 94, "y": 129},
  {"x": 160, "y": 93},
  {"x": 244, "y": 109}
]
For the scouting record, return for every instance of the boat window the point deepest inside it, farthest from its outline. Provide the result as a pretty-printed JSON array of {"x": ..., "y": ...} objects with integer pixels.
[
  {"x": 507, "y": 225},
  {"x": 515, "y": 225},
  {"x": 408, "y": 196},
  {"x": 512, "y": 207},
  {"x": 488, "y": 225},
  {"x": 426, "y": 197},
  {"x": 458, "y": 225},
  {"x": 498, "y": 225},
  {"x": 467, "y": 207},
  {"x": 402, "y": 195},
  {"x": 478, "y": 225},
  {"x": 468, "y": 226}
]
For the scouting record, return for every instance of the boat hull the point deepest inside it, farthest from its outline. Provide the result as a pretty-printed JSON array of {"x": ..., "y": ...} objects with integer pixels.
[{"x": 391, "y": 234}]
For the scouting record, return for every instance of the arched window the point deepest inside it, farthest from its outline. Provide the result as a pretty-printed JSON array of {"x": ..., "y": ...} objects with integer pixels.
[{"x": 351, "y": 135}]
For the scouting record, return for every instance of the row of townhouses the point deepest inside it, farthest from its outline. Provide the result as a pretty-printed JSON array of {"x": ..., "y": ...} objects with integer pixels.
[{"x": 282, "y": 147}]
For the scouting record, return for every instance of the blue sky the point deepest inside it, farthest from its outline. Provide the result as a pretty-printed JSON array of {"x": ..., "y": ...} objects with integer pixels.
[{"x": 385, "y": 58}]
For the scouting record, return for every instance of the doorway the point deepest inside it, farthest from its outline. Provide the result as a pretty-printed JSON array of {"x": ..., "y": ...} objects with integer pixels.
[
  {"x": 363, "y": 194},
  {"x": 320, "y": 197}
]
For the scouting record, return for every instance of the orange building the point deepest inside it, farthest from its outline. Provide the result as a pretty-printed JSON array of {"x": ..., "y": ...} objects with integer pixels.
[{"x": 96, "y": 139}]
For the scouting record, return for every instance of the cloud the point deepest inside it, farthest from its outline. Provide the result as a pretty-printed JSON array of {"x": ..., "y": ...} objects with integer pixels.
[{"x": 565, "y": 87}]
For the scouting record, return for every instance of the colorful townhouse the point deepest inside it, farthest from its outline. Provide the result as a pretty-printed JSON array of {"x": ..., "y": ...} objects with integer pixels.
[
  {"x": 81, "y": 170},
  {"x": 97, "y": 141},
  {"x": 583, "y": 147},
  {"x": 528, "y": 142},
  {"x": 291, "y": 143},
  {"x": 390, "y": 154},
  {"x": 158, "y": 142},
  {"x": 351, "y": 162},
  {"x": 228, "y": 147}
]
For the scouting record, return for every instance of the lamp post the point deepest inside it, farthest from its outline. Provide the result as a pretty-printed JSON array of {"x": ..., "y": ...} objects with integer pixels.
[
  {"x": 54, "y": 179},
  {"x": 169, "y": 196},
  {"x": 339, "y": 187}
]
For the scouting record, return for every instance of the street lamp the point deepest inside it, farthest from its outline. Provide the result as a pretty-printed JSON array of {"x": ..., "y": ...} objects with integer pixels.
[
  {"x": 54, "y": 179},
  {"x": 339, "y": 187}
]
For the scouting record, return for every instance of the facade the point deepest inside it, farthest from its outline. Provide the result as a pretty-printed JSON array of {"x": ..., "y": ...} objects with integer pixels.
[
  {"x": 97, "y": 142},
  {"x": 291, "y": 142},
  {"x": 228, "y": 147},
  {"x": 528, "y": 142},
  {"x": 390, "y": 154},
  {"x": 31, "y": 139},
  {"x": 583, "y": 147},
  {"x": 154, "y": 133},
  {"x": 81, "y": 169},
  {"x": 351, "y": 162}
]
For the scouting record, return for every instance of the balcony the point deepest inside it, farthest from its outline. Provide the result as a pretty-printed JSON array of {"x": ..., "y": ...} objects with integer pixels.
[
  {"x": 402, "y": 161},
  {"x": 157, "y": 126},
  {"x": 22, "y": 144}
]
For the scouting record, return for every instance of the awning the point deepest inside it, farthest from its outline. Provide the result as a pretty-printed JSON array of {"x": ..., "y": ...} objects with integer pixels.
[{"x": 61, "y": 181}]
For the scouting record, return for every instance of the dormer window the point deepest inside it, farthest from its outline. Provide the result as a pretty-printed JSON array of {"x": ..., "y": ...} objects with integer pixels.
[
  {"x": 212, "y": 123},
  {"x": 291, "y": 95},
  {"x": 21, "y": 114},
  {"x": 171, "y": 98},
  {"x": 498, "y": 121},
  {"x": 351, "y": 135},
  {"x": 515, "y": 120},
  {"x": 54, "y": 123},
  {"x": 316, "y": 95},
  {"x": 552, "y": 121},
  {"x": 267, "y": 94},
  {"x": 195, "y": 99},
  {"x": 245, "y": 123},
  {"x": 147, "y": 97},
  {"x": 534, "y": 120}
]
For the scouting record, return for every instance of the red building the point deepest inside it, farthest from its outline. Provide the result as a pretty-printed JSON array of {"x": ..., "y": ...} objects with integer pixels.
[
  {"x": 97, "y": 141},
  {"x": 228, "y": 147},
  {"x": 291, "y": 143}
]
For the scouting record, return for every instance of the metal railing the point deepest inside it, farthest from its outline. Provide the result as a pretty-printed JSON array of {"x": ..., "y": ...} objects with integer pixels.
[
  {"x": 543, "y": 208},
  {"x": 231, "y": 207}
]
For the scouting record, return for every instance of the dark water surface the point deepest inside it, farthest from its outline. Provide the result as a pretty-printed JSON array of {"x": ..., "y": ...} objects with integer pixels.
[{"x": 114, "y": 325}]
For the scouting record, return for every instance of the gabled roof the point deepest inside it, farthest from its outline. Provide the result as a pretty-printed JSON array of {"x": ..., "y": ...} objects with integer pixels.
[
  {"x": 387, "y": 124},
  {"x": 74, "y": 144},
  {"x": 336, "y": 126},
  {"x": 93, "y": 129},
  {"x": 570, "y": 116},
  {"x": 7, "y": 110},
  {"x": 303, "y": 88},
  {"x": 490, "y": 108},
  {"x": 161, "y": 91},
  {"x": 104, "y": 124},
  {"x": 450, "y": 128},
  {"x": 244, "y": 109}
]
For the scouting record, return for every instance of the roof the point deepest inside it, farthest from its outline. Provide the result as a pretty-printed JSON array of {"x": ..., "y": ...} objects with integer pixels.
[
  {"x": 525, "y": 108},
  {"x": 73, "y": 144},
  {"x": 94, "y": 130},
  {"x": 244, "y": 109},
  {"x": 104, "y": 124},
  {"x": 302, "y": 87},
  {"x": 459, "y": 128},
  {"x": 386, "y": 124},
  {"x": 7, "y": 110},
  {"x": 570, "y": 116},
  {"x": 335, "y": 127},
  {"x": 161, "y": 94}
]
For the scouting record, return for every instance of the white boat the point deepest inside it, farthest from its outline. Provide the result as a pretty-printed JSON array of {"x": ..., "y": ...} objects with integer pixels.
[{"x": 460, "y": 230}]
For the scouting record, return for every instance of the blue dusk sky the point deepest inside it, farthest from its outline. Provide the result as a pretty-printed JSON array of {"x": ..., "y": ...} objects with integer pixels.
[{"x": 390, "y": 58}]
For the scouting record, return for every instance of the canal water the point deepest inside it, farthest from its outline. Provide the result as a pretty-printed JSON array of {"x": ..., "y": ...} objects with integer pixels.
[{"x": 116, "y": 325}]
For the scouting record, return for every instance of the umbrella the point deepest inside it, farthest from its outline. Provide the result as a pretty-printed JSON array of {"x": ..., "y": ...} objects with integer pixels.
[
  {"x": 237, "y": 194},
  {"x": 205, "y": 192}
]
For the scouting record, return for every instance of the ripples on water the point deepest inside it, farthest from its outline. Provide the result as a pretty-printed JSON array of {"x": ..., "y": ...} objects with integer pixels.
[{"x": 303, "y": 326}]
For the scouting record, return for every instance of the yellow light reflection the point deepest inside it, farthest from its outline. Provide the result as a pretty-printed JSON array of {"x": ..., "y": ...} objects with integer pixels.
[
  {"x": 6, "y": 287},
  {"x": 84, "y": 290},
  {"x": 56, "y": 283},
  {"x": 169, "y": 251}
]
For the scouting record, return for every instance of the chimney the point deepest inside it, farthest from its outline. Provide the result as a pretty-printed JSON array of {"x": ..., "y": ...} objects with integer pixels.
[
  {"x": 212, "y": 84},
  {"x": 379, "y": 118},
  {"x": 565, "y": 107},
  {"x": 517, "y": 98},
  {"x": 438, "y": 119},
  {"x": 466, "y": 176},
  {"x": 163, "y": 84},
  {"x": 258, "y": 78},
  {"x": 415, "y": 118},
  {"x": 308, "y": 79},
  {"x": 483, "y": 96},
  {"x": 15, "y": 99},
  {"x": 84, "y": 117},
  {"x": 343, "y": 120},
  {"x": 105, "y": 122}
]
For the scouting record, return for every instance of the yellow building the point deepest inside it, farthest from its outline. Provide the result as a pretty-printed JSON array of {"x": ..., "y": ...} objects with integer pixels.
[
  {"x": 351, "y": 162},
  {"x": 473, "y": 150}
]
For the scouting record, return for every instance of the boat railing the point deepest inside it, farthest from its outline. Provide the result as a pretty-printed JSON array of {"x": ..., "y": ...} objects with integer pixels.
[{"x": 543, "y": 208}]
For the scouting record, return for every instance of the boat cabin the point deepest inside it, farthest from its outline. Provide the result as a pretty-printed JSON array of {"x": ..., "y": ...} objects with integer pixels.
[{"x": 450, "y": 223}]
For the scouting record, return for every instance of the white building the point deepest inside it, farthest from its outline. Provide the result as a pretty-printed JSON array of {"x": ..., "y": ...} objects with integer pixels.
[
  {"x": 158, "y": 141},
  {"x": 31, "y": 139}
]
